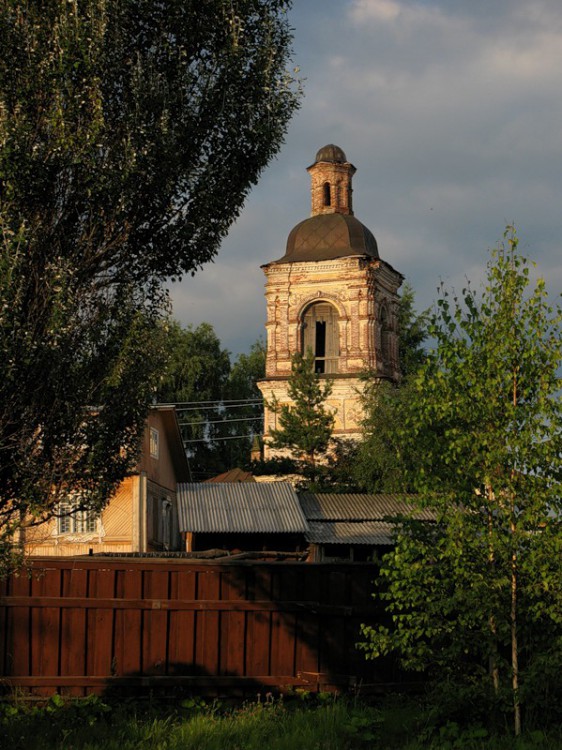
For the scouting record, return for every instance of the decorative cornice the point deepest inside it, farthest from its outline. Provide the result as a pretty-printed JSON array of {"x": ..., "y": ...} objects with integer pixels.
[{"x": 312, "y": 266}]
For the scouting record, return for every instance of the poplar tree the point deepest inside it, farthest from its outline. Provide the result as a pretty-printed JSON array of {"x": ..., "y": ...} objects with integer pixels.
[
  {"x": 475, "y": 598},
  {"x": 131, "y": 132}
]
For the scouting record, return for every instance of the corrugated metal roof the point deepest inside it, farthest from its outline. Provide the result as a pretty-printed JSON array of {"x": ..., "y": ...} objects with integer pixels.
[
  {"x": 357, "y": 507},
  {"x": 343, "y": 532},
  {"x": 243, "y": 507}
]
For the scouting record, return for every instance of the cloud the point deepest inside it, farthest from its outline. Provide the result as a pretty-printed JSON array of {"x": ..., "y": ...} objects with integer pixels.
[
  {"x": 452, "y": 113},
  {"x": 375, "y": 10},
  {"x": 401, "y": 18}
]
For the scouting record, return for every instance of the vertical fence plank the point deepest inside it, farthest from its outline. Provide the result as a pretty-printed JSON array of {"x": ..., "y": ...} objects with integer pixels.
[
  {"x": 233, "y": 624},
  {"x": 207, "y": 638},
  {"x": 100, "y": 624},
  {"x": 18, "y": 628},
  {"x": 333, "y": 648},
  {"x": 155, "y": 627},
  {"x": 127, "y": 659},
  {"x": 181, "y": 654},
  {"x": 283, "y": 624},
  {"x": 307, "y": 627},
  {"x": 45, "y": 626},
  {"x": 74, "y": 645},
  {"x": 3, "y": 628},
  {"x": 258, "y": 631},
  {"x": 361, "y": 586}
]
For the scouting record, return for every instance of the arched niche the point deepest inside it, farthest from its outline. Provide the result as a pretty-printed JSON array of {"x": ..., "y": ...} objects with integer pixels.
[
  {"x": 386, "y": 335},
  {"x": 320, "y": 333}
]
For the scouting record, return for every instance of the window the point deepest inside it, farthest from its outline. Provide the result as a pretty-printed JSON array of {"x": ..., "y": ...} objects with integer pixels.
[
  {"x": 385, "y": 336},
  {"x": 154, "y": 443},
  {"x": 72, "y": 520},
  {"x": 327, "y": 194},
  {"x": 160, "y": 522},
  {"x": 320, "y": 332},
  {"x": 166, "y": 524}
]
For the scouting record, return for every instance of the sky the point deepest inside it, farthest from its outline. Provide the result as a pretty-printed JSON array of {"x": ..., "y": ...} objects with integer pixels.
[{"x": 451, "y": 111}]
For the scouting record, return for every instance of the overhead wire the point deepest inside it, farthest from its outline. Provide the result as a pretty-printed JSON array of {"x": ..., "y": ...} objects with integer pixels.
[
  {"x": 221, "y": 439},
  {"x": 222, "y": 405},
  {"x": 219, "y": 421}
]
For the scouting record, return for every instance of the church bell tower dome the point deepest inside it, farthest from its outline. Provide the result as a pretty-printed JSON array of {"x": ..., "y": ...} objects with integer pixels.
[{"x": 331, "y": 153}]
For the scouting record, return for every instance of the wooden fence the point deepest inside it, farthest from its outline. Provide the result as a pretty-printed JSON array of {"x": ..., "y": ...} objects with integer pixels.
[{"x": 82, "y": 625}]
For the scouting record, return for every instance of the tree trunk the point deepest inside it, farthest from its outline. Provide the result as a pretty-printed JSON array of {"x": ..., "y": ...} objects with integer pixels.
[
  {"x": 493, "y": 660},
  {"x": 514, "y": 644},
  {"x": 514, "y": 649}
]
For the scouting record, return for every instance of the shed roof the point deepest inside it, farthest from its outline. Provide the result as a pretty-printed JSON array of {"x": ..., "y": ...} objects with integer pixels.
[
  {"x": 240, "y": 507},
  {"x": 350, "y": 532},
  {"x": 359, "y": 507}
]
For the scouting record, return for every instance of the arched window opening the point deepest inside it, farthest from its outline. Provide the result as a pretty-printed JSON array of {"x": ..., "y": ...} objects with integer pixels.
[
  {"x": 385, "y": 336},
  {"x": 327, "y": 194},
  {"x": 320, "y": 333}
]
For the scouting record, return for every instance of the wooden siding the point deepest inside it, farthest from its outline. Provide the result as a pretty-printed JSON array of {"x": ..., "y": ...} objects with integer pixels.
[
  {"x": 84, "y": 625},
  {"x": 114, "y": 534},
  {"x": 161, "y": 469}
]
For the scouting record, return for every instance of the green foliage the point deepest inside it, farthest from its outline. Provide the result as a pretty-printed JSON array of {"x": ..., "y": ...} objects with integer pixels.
[
  {"x": 80, "y": 363},
  {"x": 199, "y": 370},
  {"x": 413, "y": 331},
  {"x": 325, "y": 722},
  {"x": 246, "y": 371},
  {"x": 336, "y": 473},
  {"x": 280, "y": 465},
  {"x": 381, "y": 464},
  {"x": 328, "y": 724},
  {"x": 474, "y": 599},
  {"x": 132, "y": 131},
  {"x": 198, "y": 367},
  {"x": 305, "y": 425}
]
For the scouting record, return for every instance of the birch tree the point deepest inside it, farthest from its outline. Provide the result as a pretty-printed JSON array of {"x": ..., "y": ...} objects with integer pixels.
[{"x": 475, "y": 598}]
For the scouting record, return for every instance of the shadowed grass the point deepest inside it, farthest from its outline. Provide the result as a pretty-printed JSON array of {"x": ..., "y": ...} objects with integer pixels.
[{"x": 320, "y": 724}]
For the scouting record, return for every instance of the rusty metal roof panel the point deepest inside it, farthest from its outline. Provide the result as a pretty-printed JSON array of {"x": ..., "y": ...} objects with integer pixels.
[
  {"x": 233, "y": 475},
  {"x": 358, "y": 507},
  {"x": 329, "y": 236},
  {"x": 243, "y": 507},
  {"x": 358, "y": 532}
]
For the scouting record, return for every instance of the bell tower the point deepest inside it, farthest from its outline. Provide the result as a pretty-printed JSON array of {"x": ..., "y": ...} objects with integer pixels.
[{"x": 333, "y": 294}]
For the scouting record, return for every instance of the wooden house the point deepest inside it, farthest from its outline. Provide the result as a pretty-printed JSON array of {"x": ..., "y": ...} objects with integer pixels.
[{"x": 142, "y": 514}]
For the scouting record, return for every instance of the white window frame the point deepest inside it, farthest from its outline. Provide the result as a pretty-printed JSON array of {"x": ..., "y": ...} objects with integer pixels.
[{"x": 70, "y": 520}]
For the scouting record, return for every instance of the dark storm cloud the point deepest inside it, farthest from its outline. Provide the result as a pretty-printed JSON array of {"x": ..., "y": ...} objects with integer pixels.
[{"x": 452, "y": 113}]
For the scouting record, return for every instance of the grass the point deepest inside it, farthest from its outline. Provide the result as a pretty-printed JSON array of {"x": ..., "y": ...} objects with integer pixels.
[{"x": 320, "y": 724}]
